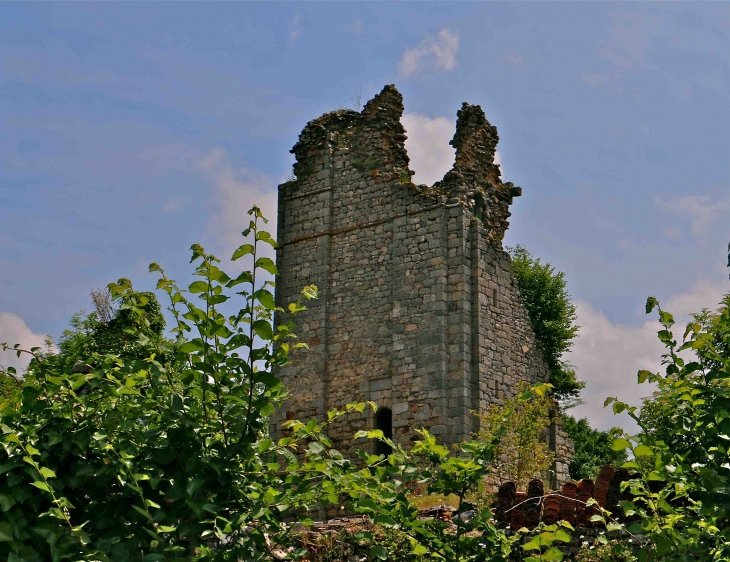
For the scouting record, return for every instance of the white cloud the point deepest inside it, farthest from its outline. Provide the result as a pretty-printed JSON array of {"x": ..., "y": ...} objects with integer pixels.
[
  {"x": 608, "y": 355},
  {"x": 699, "y": 210},
  {"x": 434, "y": 51},
  {"x": 13, "y": 329},
  {"x": 295, "y": 26},
  {"x": 428, "y": 146},
  {"x": 236, "y": 191}
]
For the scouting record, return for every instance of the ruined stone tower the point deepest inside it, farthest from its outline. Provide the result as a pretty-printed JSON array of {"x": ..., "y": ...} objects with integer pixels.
[{"x": 418, "y": 310}]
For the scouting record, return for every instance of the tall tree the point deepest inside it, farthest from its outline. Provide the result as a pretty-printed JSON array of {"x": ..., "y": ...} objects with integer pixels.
[
  {"x": 552, "y": 314},
  {"x": 592, "y": 449}
]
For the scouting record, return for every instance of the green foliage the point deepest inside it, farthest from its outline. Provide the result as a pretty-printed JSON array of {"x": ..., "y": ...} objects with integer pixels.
[
  {"x": 522, "y": 454},
  {"x": 357, "y": 543},
  {"x": 9, "y": 389},
  {"x": 592, "y": 449},
  {"x": 682, "y": 494},
  {"x": 552, "y": 314},
  {"x": 616, "y": 550},
  {"x": 545, "y": 540},
  {"x": 160, "y": 451},
  {"x": 127, "y": 331}
]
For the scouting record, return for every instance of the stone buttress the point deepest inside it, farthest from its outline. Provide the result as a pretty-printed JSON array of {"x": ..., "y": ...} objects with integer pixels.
[{"x": 418, "y": 310}]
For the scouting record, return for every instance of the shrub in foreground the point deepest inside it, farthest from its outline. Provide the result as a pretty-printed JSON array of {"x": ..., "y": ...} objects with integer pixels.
[{"x": 159, "y": 450}]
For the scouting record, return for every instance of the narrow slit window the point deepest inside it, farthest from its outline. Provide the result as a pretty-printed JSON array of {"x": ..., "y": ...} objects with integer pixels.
[{"x": 384, "y": 422}]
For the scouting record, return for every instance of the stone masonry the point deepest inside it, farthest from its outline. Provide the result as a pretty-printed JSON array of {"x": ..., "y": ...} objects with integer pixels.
[{"x": 418, "y": 310}]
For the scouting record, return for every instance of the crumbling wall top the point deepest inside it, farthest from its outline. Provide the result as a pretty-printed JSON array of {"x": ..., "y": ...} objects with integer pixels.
[{"x": 376, "y": 137}]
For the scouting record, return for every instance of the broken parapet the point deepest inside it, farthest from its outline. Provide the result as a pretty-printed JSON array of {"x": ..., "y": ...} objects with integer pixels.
[
  {"x": 375, "y": 142},
  {"x": 475, "y": 177},
  {"x": 374, "y": 139}
]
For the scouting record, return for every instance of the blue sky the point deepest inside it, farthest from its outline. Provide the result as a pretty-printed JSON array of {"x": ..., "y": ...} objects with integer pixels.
[{"x": 130, "y": 131}]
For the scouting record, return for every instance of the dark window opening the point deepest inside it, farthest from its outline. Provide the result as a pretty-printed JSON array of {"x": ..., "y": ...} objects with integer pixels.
[{"x": 384, "y": 422}]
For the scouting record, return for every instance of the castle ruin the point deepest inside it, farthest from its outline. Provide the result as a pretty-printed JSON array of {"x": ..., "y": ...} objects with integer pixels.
[{"x": 418, "y": 310}]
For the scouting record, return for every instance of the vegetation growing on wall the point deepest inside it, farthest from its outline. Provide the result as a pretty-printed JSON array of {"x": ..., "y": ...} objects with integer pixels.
[
  {"x": 522, "y": 453},
  {"x": 552, "y": 314}
]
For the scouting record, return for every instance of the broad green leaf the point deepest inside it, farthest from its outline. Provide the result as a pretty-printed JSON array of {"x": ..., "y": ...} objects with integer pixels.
[
  {"x": 619, "y": 444},
  {"x": 643, "y": 451},
  {"x": 6, "y": 501},
  {"x": 654, "y": 476},
  {"x": 6, "y": 531},
  {"x": 262, "y": 329},
  {"x": 666, "y": 318},
  {"x": 266, "y": 299},
  {"x": 241, "y": 251},
  {"x": 383, "y": 519},
  {"x": 264, "y": 236},
  {"x": 47, "y": 472},
  {"x": 41, "y": 486},
  {"x": 267, "y": 264},
  {"x": 552, "y": 554},
  {"x": 190, "y": 347},
  {"x": 264, "y": 445},
  {"x": 142, "y": 511},
  {"x": 198, "y": 287},
  {"x": 244, "y": 277},
  {"x": 378, "y": 551}
]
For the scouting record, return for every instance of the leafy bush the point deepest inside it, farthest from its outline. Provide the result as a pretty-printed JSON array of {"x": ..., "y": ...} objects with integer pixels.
[
  {"x": 592, "y": 449},
  {"x": 522, "y": 453},
  {"x": 552, "y": 314},
  {"x": 159, "y": 449},
  {"x": 618, "y": 550},
  {"x": 682, "y": 489}
]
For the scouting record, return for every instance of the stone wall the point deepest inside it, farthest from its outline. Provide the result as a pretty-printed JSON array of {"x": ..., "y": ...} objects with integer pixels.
[{"x": 418, "y": 309}]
